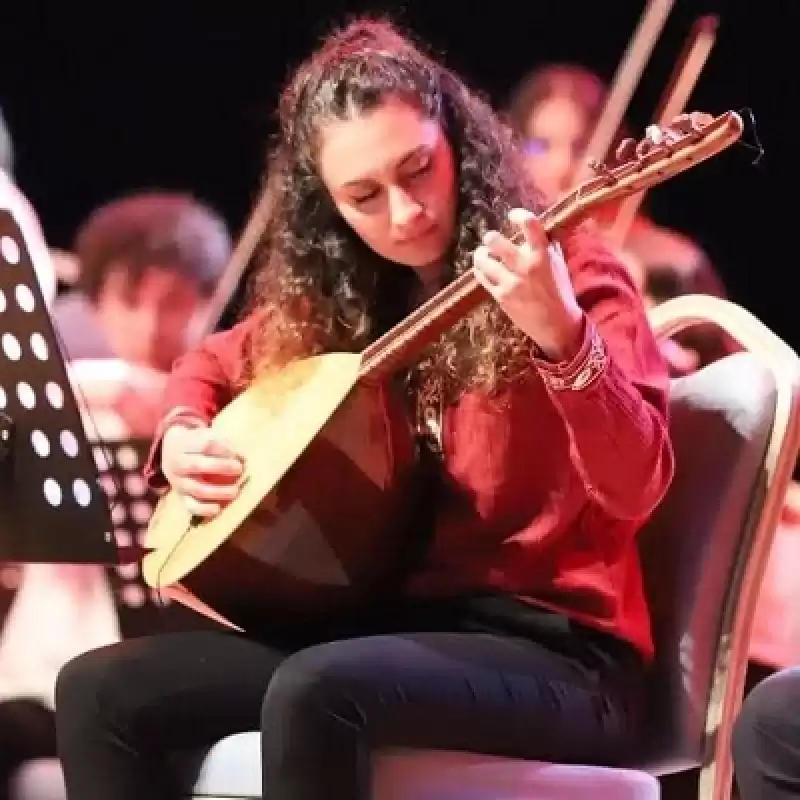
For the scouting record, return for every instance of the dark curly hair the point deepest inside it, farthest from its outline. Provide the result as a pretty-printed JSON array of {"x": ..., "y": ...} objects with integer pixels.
[{"x": 318, "y": 287}]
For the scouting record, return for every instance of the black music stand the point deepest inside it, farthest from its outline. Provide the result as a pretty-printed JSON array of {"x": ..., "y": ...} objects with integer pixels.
[
  {"x": 141, "y": 610},
  {"x": 52, "y": 509},
  {"x": 120, "y": 463}
]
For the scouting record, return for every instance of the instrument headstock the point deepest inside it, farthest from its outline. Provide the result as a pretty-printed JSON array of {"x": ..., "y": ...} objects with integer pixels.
[{"x": 665, "y": 152}]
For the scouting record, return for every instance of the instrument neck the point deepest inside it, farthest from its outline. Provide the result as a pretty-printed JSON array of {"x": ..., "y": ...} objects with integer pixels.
[{"x": 404, "y": 343}]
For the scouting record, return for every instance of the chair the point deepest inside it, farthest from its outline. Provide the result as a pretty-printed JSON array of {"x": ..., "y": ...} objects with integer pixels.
[{"x": 736, "y": 434}]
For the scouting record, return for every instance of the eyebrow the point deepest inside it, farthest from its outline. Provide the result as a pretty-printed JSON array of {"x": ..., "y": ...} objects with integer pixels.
[{"x": 404, "y": 160}]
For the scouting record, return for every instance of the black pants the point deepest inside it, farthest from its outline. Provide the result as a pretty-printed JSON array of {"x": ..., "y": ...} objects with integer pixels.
[
  {"x": 27, "y": 732},
  {"x": 766, "y": 740},
  {"x": 324, "y": 708}
]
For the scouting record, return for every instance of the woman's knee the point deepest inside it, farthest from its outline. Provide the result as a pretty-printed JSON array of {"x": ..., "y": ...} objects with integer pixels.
[
  {"x": 769, "y": 717},
  {"x": 93, "y": 685},
  {"x": 78, "y": 681},
  {"x": 324, "y": 679}
]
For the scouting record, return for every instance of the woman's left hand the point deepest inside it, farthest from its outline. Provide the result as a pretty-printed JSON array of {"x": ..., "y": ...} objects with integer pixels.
[{"x": 531, "y": 283}]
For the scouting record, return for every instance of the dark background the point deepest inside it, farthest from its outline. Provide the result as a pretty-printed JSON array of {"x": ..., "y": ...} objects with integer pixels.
[{"x": 106, "y": 99}]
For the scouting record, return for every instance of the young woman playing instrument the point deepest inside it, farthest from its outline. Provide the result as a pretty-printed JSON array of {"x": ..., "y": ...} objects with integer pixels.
[{"x": 522, "y": 629}]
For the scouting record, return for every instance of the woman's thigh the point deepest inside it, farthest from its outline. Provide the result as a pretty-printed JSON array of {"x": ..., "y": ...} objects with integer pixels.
[
  {"x": 170, "y": 690},
  {"x": 467, "y": 691}
]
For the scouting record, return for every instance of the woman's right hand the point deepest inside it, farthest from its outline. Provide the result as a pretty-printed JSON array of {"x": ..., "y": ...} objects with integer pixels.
[{"x": 201, "y": 468}]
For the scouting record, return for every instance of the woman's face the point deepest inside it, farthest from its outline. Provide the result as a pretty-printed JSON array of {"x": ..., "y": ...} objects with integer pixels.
[
  {"x": 391, "y": 174},
  {"x": 556, "y": 135}
]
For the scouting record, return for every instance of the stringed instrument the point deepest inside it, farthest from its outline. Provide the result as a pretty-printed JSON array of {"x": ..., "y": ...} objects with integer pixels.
[{"x": 295, "y": 540}]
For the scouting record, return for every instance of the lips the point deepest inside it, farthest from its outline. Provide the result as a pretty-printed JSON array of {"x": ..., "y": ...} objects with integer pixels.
[{"x": 417, "y": 236}]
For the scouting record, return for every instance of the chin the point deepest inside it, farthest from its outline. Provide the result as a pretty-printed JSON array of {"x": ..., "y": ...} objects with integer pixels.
[
  {"x": 419, "y": 257},
  {"x": 423, "y": 262}
]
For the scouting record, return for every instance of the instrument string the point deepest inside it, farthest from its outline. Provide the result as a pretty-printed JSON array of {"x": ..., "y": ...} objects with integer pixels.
[
  {"x": 161, "y": 600},
  {"x": 94, "y": 434},
  {"x": 749, "y": 118}
]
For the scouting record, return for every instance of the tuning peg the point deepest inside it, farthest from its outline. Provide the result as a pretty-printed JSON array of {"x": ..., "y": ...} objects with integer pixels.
[
  {"x": 653, "y": 140},
  {"x": 683, "y": 122},
  {"x": 699, "y": 120},
  {"x": 601, "y": 171},
  {"x": 693, "y": 122},
  {"x": 626, "y": 150},
  {"x": 682, "y": 125}
]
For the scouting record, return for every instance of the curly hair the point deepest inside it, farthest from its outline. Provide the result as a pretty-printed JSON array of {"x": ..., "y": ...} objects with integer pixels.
[{"x": 318, "y": 287}]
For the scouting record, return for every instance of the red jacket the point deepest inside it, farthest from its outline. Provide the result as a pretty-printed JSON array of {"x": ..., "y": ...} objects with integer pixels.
[{"x": 548, "y": 488}]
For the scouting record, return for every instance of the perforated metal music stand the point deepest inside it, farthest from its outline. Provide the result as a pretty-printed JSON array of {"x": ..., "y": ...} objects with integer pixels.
[
  {"x": 120, "y": 463},
  {"x": 52, "y": 508},
  {"x": 141, "y": 610}
]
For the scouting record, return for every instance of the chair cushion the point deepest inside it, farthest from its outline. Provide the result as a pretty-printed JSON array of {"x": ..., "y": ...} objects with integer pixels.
[{"x": 232, "y": 769}]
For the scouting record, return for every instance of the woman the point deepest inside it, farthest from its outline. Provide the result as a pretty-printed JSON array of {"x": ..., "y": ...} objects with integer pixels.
[
  {"x": 766, "y": 740},
  {"x": 554, "y": 109},
  {"x": 523, "y": 628}
]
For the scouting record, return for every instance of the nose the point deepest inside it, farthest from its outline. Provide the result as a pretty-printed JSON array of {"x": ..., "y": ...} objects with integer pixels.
[
  {"x": 146, "y": 323},
  {"x": 405, "y": 211},
  {"x": 562, "y": 163}
]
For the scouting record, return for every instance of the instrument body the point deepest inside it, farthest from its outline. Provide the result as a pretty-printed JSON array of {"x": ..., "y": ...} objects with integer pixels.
[
  {"x": 310, "y": 534},
  {"x": 331, "y": 484}
]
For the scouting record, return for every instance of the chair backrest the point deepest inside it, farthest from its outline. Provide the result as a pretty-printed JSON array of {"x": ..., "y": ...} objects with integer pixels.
[
  {"x": 721, "y": 419},
  {"x": 736, "y": 436}
]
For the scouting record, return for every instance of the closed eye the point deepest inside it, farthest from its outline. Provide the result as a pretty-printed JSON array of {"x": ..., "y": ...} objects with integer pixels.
[
  {"x": 409, "y": 173},
  {"x": 365, "y": 198}
]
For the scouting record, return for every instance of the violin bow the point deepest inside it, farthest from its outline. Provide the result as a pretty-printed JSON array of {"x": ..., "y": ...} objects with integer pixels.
[
  {"x": 623, "y": 85},
  {"x": 677, "y": 92},
  {"x": 237, "y": 265}
]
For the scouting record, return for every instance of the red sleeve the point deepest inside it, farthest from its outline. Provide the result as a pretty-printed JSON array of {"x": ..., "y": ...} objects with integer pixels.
[
  {"x": 201, "y": 383},
  {"x": 618, "y": 423}
]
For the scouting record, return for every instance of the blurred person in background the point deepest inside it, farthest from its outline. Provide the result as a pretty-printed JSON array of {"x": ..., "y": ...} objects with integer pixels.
[
  {"x": 67, "y": 267},
  {"x": 147, "y": 265},
  {"x": 554, "y": 110},
  {"x": 6, "y": 147},
  {"x": 12, "y": 197},
  {"x": 148, "y": 262},
  {"x": 152, "y": 259}
]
